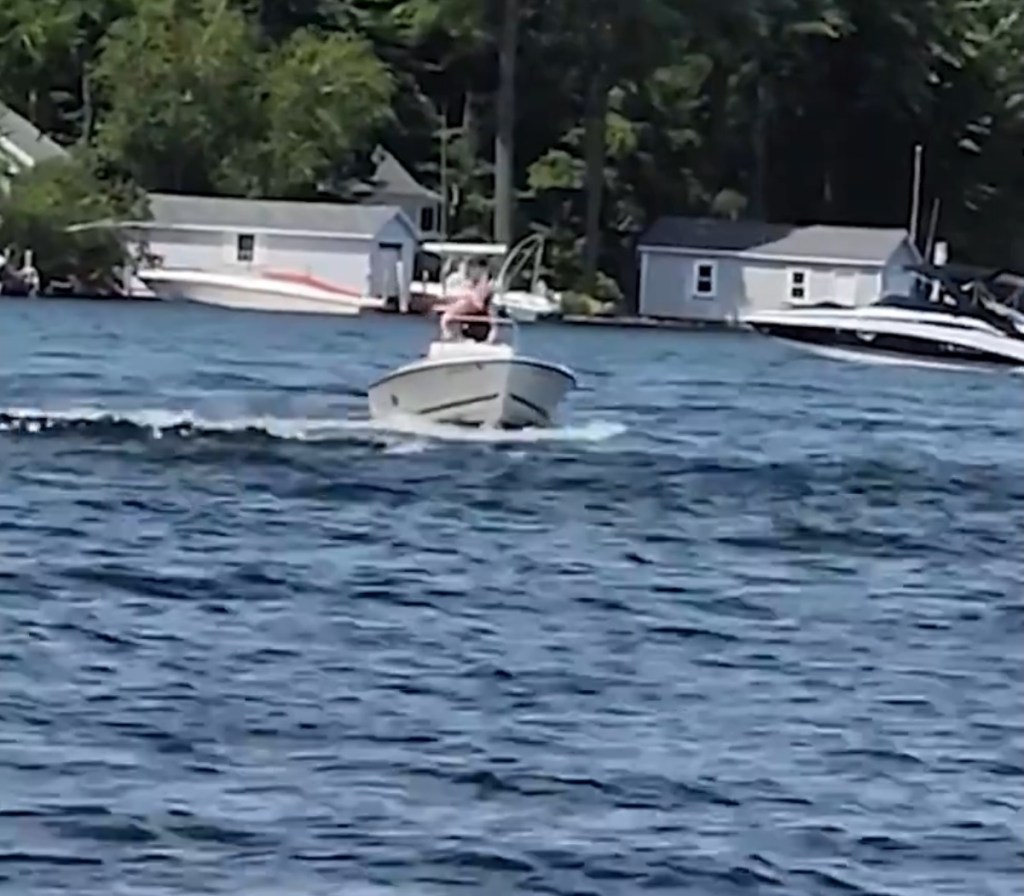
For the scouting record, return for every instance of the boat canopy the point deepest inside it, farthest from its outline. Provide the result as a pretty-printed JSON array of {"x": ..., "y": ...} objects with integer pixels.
[{"x": 465, "y": 249}]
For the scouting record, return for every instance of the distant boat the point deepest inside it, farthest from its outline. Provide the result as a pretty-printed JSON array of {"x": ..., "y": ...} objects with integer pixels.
[
  {"x": 281, "y": 291},
  {"x": 954, "y": 324}
]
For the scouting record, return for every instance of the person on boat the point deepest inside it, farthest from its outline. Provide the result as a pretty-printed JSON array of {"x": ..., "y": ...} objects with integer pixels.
[{"x": 478, "y": 303}]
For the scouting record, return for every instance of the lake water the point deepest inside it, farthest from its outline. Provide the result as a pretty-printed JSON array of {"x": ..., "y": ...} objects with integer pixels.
[{"x": 748, "y": 622}]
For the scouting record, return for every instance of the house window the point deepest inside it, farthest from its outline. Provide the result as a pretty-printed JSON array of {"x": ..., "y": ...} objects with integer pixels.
[
  {"x": 798, "y": 282},
  {"x": 704, "y": 277},
  {"x": 245, "y": 247},
  {"x": 427, "y": 219}
]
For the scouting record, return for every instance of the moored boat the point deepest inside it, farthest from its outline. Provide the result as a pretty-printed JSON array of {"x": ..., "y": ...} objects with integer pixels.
[
  {"x": 945, "y": 323},
  {"x": 272, "y": 291}
]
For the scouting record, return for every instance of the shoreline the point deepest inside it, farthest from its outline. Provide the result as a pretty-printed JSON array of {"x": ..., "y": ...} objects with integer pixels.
[
  {"x": 636, "y": 322},
  {"x": 619, "y": 321}
]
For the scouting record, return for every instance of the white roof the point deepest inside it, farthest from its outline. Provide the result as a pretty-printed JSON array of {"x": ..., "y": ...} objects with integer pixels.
[{"x": 269, "y": 215}]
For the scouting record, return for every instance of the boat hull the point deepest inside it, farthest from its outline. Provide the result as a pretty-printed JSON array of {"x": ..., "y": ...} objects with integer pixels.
[
  {"x": 505, "y": 393},
  {"x": 525, "y": 307},
  {"x": 253, "y": 294},
  {"x": 874, "y": 346}
]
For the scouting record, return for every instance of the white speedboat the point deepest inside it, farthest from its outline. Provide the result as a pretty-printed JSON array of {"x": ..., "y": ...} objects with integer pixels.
[
  {"x": 471, "y": 383},
  {"x": 254, "y": 291},
  {"x": 957, "y": 325},
  {"x": 520, "y": 291},
  {"x": 526, "y": 306}
]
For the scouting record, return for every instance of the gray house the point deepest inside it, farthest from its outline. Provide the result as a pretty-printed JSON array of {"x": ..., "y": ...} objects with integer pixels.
[
  {"x": 392, "y": 184},
  {"x": 22, "y": 145},
  {"x": 717, "y": 270}
]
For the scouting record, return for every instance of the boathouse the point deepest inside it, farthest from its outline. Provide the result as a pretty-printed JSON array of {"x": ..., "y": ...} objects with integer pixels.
[
  {"x": 368, "y": 248},
  {"x": 393, "y": 184},
  {"x": 715, "y": 270}
]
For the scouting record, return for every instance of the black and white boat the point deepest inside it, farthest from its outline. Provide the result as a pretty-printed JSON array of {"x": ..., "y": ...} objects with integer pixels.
[
  {"x": 948, "y": 321},
  {"x": 474, "y": 383}
]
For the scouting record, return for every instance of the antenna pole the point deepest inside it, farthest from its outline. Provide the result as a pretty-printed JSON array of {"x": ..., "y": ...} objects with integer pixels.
[
  {"x": 444, "y": 171},
  {"x": 933, "y": 226},
  {"x": 915, "y": 200}
]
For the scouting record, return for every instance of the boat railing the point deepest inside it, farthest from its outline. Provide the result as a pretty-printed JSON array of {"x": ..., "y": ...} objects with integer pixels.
[{"x": 529, "y": 251}]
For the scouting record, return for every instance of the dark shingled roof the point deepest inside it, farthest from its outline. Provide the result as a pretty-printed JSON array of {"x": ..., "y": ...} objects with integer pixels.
[{"x": 782, "y": 241}]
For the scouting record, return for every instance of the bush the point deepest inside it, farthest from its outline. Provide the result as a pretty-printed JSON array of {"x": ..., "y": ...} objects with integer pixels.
[
  {"x": 40, "y": 212},
  {"x": 577, "y": 304}
]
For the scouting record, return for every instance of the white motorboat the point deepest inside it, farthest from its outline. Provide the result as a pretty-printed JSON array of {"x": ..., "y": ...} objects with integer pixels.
[
  {"x": 473, "y": 383},
  {"x": 522, "y": 299},
  {"x": 954, "y": 324},
  {"x": 256, "y": 291}
]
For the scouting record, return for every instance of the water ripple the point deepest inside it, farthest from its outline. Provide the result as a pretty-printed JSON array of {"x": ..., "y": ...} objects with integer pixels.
[{"x": 745, "y": 622}]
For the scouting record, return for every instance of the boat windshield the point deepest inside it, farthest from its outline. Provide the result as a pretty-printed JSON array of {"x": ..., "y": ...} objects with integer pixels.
[{"x": 961, "y": 295}]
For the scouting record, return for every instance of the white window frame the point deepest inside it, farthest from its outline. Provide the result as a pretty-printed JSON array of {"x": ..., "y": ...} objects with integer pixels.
[
  {"x": 793, "y": 286},
  {"x": 239, "y": 255},
  {"x": 712, "y": 267}
]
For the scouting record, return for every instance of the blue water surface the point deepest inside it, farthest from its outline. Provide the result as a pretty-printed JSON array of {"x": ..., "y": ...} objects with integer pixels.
[{"x": 747, "y": 622}]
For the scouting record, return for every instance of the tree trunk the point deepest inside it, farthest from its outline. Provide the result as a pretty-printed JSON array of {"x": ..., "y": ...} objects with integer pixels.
[
  {"x": 88, "y": 110},
  {"x": 594, "y": 140},
  {"x": 468, "y": 128},
  {"x": 504, "y": 153},
  {"x": 760, "y": 197},
  {"x": 463, "y": 163}
]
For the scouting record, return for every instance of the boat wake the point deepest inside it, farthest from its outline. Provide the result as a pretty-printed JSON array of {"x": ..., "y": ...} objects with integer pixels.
[
  {"x": 892, "y": 359},
  {"x": 591, "y": 431},
  {"x": 153, "y": 424}
]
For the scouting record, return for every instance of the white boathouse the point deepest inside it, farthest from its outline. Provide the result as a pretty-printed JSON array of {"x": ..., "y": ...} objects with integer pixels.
[
  {"x": 367, "y": 248},
  {"x": 714, "y": 269}
]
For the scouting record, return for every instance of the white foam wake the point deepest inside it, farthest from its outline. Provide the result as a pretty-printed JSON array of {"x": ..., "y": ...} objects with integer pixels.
[
  {"x": 587, "y": 431},
  {"x": 158, "y": 422}
]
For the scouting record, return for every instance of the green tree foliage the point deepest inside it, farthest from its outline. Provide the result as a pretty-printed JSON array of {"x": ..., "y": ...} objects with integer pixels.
[
  {"x": 43, "y": 209},
  {"x": 791, "y": 110},
  {"x": 196, "y": 101},
  {"x": 322, "y": 97},
  {"x": 178, "y": 83}
]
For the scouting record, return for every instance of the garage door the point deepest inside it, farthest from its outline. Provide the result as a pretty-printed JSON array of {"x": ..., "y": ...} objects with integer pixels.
[
  {"x": 664, "y": 285},
  {"x": 389, "y": 264}
]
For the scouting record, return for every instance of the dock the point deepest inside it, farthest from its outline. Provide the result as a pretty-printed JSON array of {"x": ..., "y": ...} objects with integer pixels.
[{"x": 642, "y": 323}]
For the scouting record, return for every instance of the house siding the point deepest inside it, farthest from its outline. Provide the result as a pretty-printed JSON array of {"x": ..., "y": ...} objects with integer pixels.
[
  {"x": 414, "y": 206},
  {"x": 347, "y": 262},
  {"x": 895, "y": 279},
  {"x": 747, "y": 285},
  {"x": 186, "y": 249},
  {"x": 342, "y": 262},
  {"x": 667, "y": 288}
]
